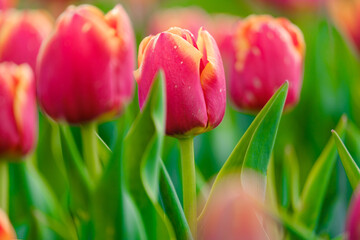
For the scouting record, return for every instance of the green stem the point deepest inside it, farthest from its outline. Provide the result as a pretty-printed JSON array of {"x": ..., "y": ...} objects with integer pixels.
[
  {"x": 90, "y": 149},
  {"x": 189, "y": 182},
  {"x": 4, "y": 185}
]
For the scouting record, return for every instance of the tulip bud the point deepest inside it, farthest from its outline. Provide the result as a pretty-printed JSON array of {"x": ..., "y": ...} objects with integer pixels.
[
  {"x": 346, "y": 15},
  {"x": 267, "y": 52},
  {"x": 18, "y": 112},
  {"x": 195, "y": 82},
  {"x": 85, "y": 67},
  {"x": 353, "y": 218},
  {"x": 21, "y": 34},
  {"x": 6, "y": 4},
  {"x": 6, "y": 230},
  {"x": 232, "y": 213}
]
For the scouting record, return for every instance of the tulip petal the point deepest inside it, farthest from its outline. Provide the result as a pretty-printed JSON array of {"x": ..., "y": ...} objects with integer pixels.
[{"x": 212, "y": 79}]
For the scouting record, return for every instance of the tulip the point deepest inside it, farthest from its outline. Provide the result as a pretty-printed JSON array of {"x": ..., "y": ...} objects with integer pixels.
[
  {"x": 346, "y": 15},
  {"x": 232, "y": 213},
  {"x": 6, "y": 230},
  {"x": 6, "y": 4},
  {"x": 195, "y": 90},
  {"x": 18, "y": 112},
  {"x": 190, "y": 18},
  {"x": 353, "y": 218},
  {"x": 85, "y": 66},
  {"x": 222, "y": 28},
  {"x": 195, "y": 82},
  {"x": 21, "y": 34},
  {"x": 267, "y": 52}
]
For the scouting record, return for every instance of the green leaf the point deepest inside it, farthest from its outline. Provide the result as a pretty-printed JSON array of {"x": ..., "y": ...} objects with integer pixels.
[
  {"x": 313, "y": 194},
  {"x": 115, "y": 214},
  {"x": 253, "y": 151},
  {"x": 351, "y": 169},
  {"x": 49, "y": 159},
  {"x": 79, "y": 180},
  {"x": 142, "y": 151},
  {"x": 37, "y": 196},
  {"x": 291, "y": 173},
  {"x": 173, "y": 206}
]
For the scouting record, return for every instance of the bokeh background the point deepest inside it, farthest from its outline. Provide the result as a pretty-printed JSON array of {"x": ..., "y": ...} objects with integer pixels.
[{"x": 331, "y": 87}]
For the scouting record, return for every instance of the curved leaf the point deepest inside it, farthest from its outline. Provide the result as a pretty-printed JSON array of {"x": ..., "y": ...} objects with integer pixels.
[
  {"x": 142, "y": 150},
  {"x": 253, "y": 151},
  {"x": 313, "y": 194},
  {"x": 351, "y": 169},
  {"x": 173, "y": 206}
]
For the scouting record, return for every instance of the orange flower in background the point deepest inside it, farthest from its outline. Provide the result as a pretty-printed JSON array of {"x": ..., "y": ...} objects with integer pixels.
[
  {"x": 6, "y": 229},
  {"x": 21, "y": 34},
  {"x": 346, "y": 15},
  {"x": 18, "y": 113},
  {"x": 233, "y": 213},
  {"x": 267, "y": 52}
]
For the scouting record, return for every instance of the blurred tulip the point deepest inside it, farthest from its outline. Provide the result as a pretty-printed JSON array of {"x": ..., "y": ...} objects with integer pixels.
[
  {"x": 85, "y": 69},
  {"x": 190, "y": 18},
  {"x": 233, "y": 214},
  {"x": 346, "y": 15},
  {"x": 267, "y": 52},
  {"x": 295, "y": 5},
  {"x": 222, "y": 28},
  {"x": 195, "y": 82},
  {"x": 21, "y": 34},
  {"x": 6, "y": 230},
  {"x": 353, "y": 218},
  {"x": 6, "y": 4},
  {"x": 18, "y": 112}
]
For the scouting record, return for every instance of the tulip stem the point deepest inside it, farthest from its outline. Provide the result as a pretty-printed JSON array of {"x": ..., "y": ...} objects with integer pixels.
[
  {"x": 189, "y": 182},
  {"x": 90, "y": 149},
  {"x": 4, "y": 185}
]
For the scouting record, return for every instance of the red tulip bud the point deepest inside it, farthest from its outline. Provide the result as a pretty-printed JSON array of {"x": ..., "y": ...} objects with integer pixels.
[
  {"x": 346, "y": 15},
  {"x": 267, "y": 52},
  {"x": 6, "y": 230},
  {"x": 353, "y": 219},
  {"x": 21, "y": 34},
  {"x": 85, "y": 67},
  {"x": 18, "y": 112},
  {"x": 195, "y": 82}
]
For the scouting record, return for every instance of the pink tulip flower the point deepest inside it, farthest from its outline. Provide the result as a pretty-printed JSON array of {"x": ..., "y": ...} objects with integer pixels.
[
  {"x": 267, "y": 52},
  {"x": 21, "y": 34},
  {"x": 85, "y": 68},
  {"x": 195, "y": 82},
  {"x": 18, "y": 114}
]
